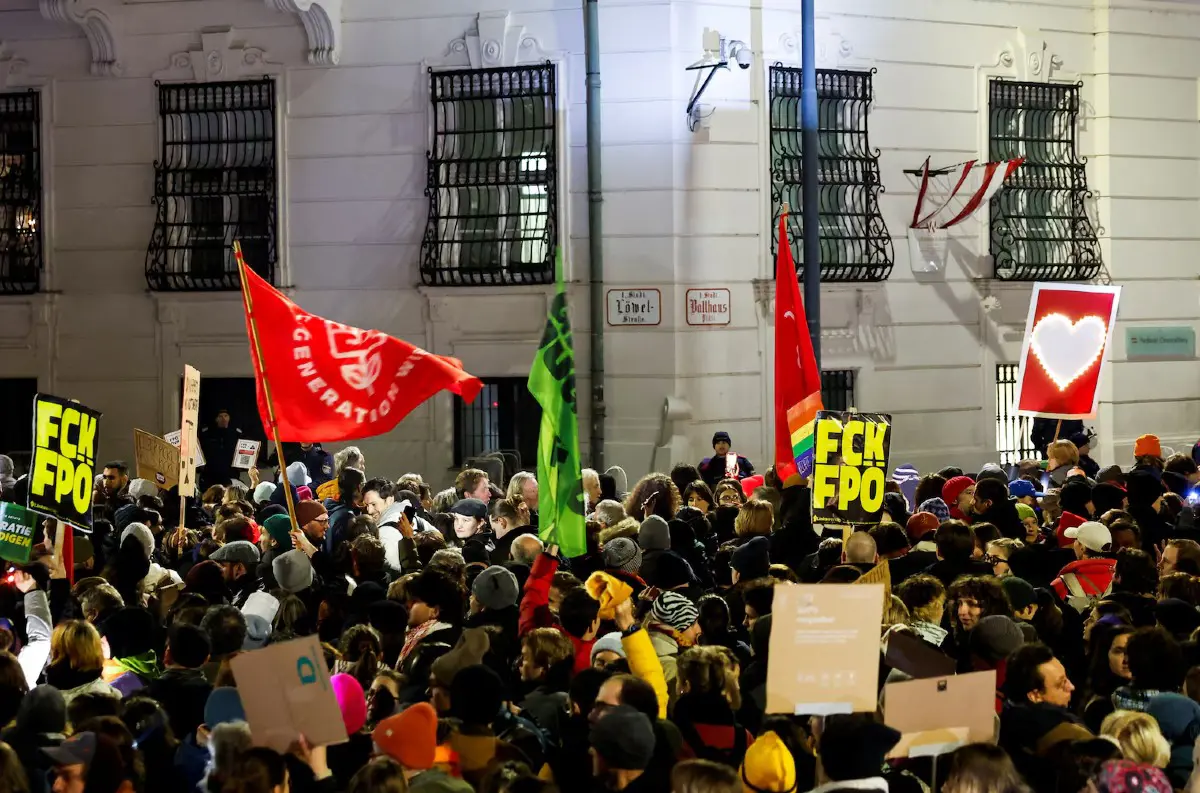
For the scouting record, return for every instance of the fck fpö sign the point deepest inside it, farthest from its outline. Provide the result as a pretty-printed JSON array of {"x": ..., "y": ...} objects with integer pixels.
[{"x": 64, "y": 460}]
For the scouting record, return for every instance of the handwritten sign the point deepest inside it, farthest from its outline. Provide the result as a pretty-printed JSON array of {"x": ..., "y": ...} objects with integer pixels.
[
  {"x": 634, "y": 307},
  {"x": 707, "y": 306},
  {"x": 246, "y": 454},
  {"x": 188, "y": 440},
  {"x": 156, "y": 458}
]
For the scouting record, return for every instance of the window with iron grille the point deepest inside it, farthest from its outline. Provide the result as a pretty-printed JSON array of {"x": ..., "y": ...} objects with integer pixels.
[
  {"x": 492, "y": 177},
  {"x": 1040, "y": 229},
  {"x": 1013, "y": 440},
  {"x": 215, "y": 182},
  {"x": 837, "y": 389},
  {"x": 855, "y": 243},
  {"x": 20, "y": 192},
  {"x": 504, "y": 417}
]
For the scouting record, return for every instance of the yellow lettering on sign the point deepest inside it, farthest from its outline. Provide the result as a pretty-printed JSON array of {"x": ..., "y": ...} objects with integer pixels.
[
  {"x": 854, "y": 429},
  {"x": 87, "y": 437},
  {"x": 48, "y": 414},
  {"x": 827, "y": 439},
  {"x": 70, "y": 418},
  {"x": 873, "y": 442},
  {"x": 44, "y": 471},
  {"x": 824, "y": 478}
]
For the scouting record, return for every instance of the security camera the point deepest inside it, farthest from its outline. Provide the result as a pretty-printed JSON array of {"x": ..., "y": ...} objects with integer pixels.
[{"x": 741, "y": 54}]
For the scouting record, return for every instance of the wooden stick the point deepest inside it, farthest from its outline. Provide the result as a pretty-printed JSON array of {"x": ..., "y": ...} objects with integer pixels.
[
  {"x": 249, "y": 304},
  {"x": 1057, "y": 429}
]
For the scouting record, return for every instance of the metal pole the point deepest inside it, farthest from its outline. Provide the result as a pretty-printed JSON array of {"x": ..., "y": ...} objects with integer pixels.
[
  {"x": 591, "y": 28},
  {"x": 810, "y": 195}
]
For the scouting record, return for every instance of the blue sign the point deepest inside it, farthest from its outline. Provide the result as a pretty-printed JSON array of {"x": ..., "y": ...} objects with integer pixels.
[{"x": 1172, "y": 342}]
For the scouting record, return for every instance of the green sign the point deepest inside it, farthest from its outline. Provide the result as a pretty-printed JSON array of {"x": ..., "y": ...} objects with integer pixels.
[
  {"x": 16, "y": 532},
  {"x": 1167, "y": 342}
]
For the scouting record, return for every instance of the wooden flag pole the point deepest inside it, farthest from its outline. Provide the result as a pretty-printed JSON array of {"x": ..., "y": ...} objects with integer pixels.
[{"x": 249, "y": 304}]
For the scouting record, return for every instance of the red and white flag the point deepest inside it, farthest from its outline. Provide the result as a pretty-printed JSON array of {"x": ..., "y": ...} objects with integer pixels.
[
  {"x": 973, "y": 188},
  {"x": 334, "y": 382}
]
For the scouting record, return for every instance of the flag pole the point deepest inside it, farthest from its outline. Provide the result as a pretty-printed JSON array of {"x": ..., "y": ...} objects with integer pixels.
[{"x": 262, "y": 375}]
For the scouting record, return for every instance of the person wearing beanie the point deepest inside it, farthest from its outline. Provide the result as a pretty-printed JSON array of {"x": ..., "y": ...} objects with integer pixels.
[
  {"x": 469, "y": 650},
  {"x": 262, "y": 492},
  {"x": 724, "y": 464},
  {"x": 622, "y": 748},
  {"x": 344, "y": 759},
  {"x": 993, "y": 640},
  {"x": 1023, "y": 598},
  {"x": 853, "y": 749},
  {"x": 410, "y": 738},
  {"x": 751, "y": 560},
  {"x": 1147, "y": 452},
  {"x": 1029, "y": 519},
  {"x": 277, "y": 528},
  {"x": 921, "y": 528},
  {"x": 132, "y": 664},
  {"x": 993, "y": 504},
  {"x": 143, "y": 535},
  {"x": 769, "y": 767},
  {"x": 936, "y": 507},
  {"x": 494, "y": 595},
  {"x": 477, "y": 700},
  {"x": 672, "y": 625},
  {"x": 624, "y": 555},
  {"x": 182, "y": 688},
  {"x": 607, "y": 650},
  {"x": 1090, "y": 577},
  {"x": 654, "y": 539},
  {"x": 959, "y": 494}
]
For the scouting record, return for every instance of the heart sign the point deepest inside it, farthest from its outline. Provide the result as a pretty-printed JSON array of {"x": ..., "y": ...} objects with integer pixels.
[
  {"x": 1067, "y": 350},
  {"x": 1067, "y": 331}
]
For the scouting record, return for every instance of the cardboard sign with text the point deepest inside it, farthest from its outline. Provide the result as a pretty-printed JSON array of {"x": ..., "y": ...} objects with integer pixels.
[
  {"x": 939, "y": 714},
  {"x": 17, "y": 525},
  {"x": 188, "y": 432},
  {"x": 173, "y": 439},
  {"x": 65, "y": 438},
  {"x": 156, "y": 459},
  {"x": 880, "y": 574},
  {"x": 286, "y": 693},
  {"x": 245, "y": 456},
  {"x": 850, "y": 467},
  {"x": 824, "y": 651}
]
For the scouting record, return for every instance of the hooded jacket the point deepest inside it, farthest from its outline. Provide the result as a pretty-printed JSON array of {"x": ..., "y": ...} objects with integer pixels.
[
  {"x": 40, "y": 724},
  {"x": 1094, "y": 574},
  {"x": 391, "y": 536},
  {"x": 1179, "y": 719}
]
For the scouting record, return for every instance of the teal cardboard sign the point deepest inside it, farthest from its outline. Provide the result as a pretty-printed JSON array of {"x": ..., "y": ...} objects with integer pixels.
[
  {"x": 1166, "y": 342},
  {"x": 16, "y": 532}
]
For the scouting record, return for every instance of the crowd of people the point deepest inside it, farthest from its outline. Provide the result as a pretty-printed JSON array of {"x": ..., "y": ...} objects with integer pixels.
[{"x": 467, "y": 655}]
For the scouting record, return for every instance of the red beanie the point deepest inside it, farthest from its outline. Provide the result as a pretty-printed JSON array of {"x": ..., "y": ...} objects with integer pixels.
[
  {"x": 410, "y": 737},
  {"x": 954, "y": 488}
]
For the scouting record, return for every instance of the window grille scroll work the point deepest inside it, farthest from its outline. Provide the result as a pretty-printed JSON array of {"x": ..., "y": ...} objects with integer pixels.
[
  {"x": 492, "y": 177},
  {"x": 215, "y": 183},
  {"x": 1040, "y": 230},
  {"x": 854, "y": 240},
  {"x": 20, "y": 192}
]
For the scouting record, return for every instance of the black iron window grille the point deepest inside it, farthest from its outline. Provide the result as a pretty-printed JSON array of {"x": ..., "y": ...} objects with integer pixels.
[
  {"x": 855, "y": 243},
  {"x": 492, "y": 178},
  {"x": 504, "y": 417},
  {"x": 1040, "y": 229},
  {"x": 837, "y": 389},
  {"x": 20, "y": 192},
  {"x": 1013, "y": 440},
  {"x": 214, "y": 183}
]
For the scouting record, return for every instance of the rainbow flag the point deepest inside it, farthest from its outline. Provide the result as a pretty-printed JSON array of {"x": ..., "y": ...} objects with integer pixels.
[{"x": 802, "y": 421}]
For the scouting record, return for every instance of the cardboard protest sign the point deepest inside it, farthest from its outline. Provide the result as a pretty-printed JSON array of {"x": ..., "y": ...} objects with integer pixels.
[
  {"x": 286, "y": 692},
  {"x": 879, "y": 574},
  {"x": 940, "y": 714},
  {"x": 824, "y": 650},
  {"x": 156, "y": 459},
  {"x": 1068, "y": 330},
  {"x": 17, "y": 525},
  {"x": 173, "y": 439},
  {"x": 65, "y": 437},
  {"x": 246, "y": 454},
  {"x": 850, "y": 467},
  {"x": 188, "y": 429}
]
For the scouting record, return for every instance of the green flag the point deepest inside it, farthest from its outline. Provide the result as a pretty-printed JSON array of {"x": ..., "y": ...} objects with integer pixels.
[{"x": 552, "y": 383}]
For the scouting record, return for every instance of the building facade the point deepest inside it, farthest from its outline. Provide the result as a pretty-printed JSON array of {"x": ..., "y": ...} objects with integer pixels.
[{"x": 411, "y": 167}]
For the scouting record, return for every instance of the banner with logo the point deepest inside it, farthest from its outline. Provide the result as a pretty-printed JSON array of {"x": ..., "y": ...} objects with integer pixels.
[
  {"x": 65, "y": 438},
  {"x": 156, "y": 459},
  {"x": 850, "y": 467},
  {"x": 333, "y": 381},
  {"x": 245, "y": 456},
  {"x": 17, "y": 526},
  {"x": 1067, "y": 333},
  {"x": 189, "y": 441}
]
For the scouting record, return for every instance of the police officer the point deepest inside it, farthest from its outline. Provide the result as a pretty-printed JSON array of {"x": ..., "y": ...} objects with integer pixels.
[
  {"x": 318, "y": 461},
  {"x": 219, "y": 443}
]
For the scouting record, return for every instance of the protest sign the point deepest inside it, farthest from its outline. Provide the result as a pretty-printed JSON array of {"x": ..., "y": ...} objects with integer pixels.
[
  {"x": 65, "y": 436},
  {"x": 156, "y": 459},
  {"x": 246, "y": 454},
  {"x": 173, "y": 439},
  {"x": 850, "y": 467},
  {"x": 286, "y": 693},
  {"x": 188, "y": 429},
  {"x": 915, "y": 657},
  {"x": 880, "y": 574},
  {"x": 1067, "y": 332},
  {"x": 939, "y": 714},
  {"x": 16, "y": 532},
  {"x": 824, "y": 649}
]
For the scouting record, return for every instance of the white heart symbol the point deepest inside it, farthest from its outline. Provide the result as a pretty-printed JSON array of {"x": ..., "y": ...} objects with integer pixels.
[{"x": 1067, "y": 350}]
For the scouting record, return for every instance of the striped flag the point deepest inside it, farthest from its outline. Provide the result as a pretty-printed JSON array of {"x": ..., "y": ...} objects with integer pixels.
[{"x": 797, "y": 379}]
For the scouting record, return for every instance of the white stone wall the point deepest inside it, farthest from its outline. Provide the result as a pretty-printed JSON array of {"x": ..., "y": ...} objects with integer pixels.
[{"x": 682, "y": 210}]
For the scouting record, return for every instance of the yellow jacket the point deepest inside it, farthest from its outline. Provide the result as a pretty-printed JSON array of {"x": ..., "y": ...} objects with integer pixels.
[
  {"x": 644, "y": 663},
  {"x": 328, "y": 490}
]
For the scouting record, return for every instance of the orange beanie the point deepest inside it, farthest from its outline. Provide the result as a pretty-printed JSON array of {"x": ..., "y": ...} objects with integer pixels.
[{"x": 409, "y": 737}]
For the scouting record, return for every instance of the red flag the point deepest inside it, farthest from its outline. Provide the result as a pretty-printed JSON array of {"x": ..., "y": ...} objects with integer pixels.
[
  {"x": 331, "y": 382},
  {"x": 797, "y": 379}
]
